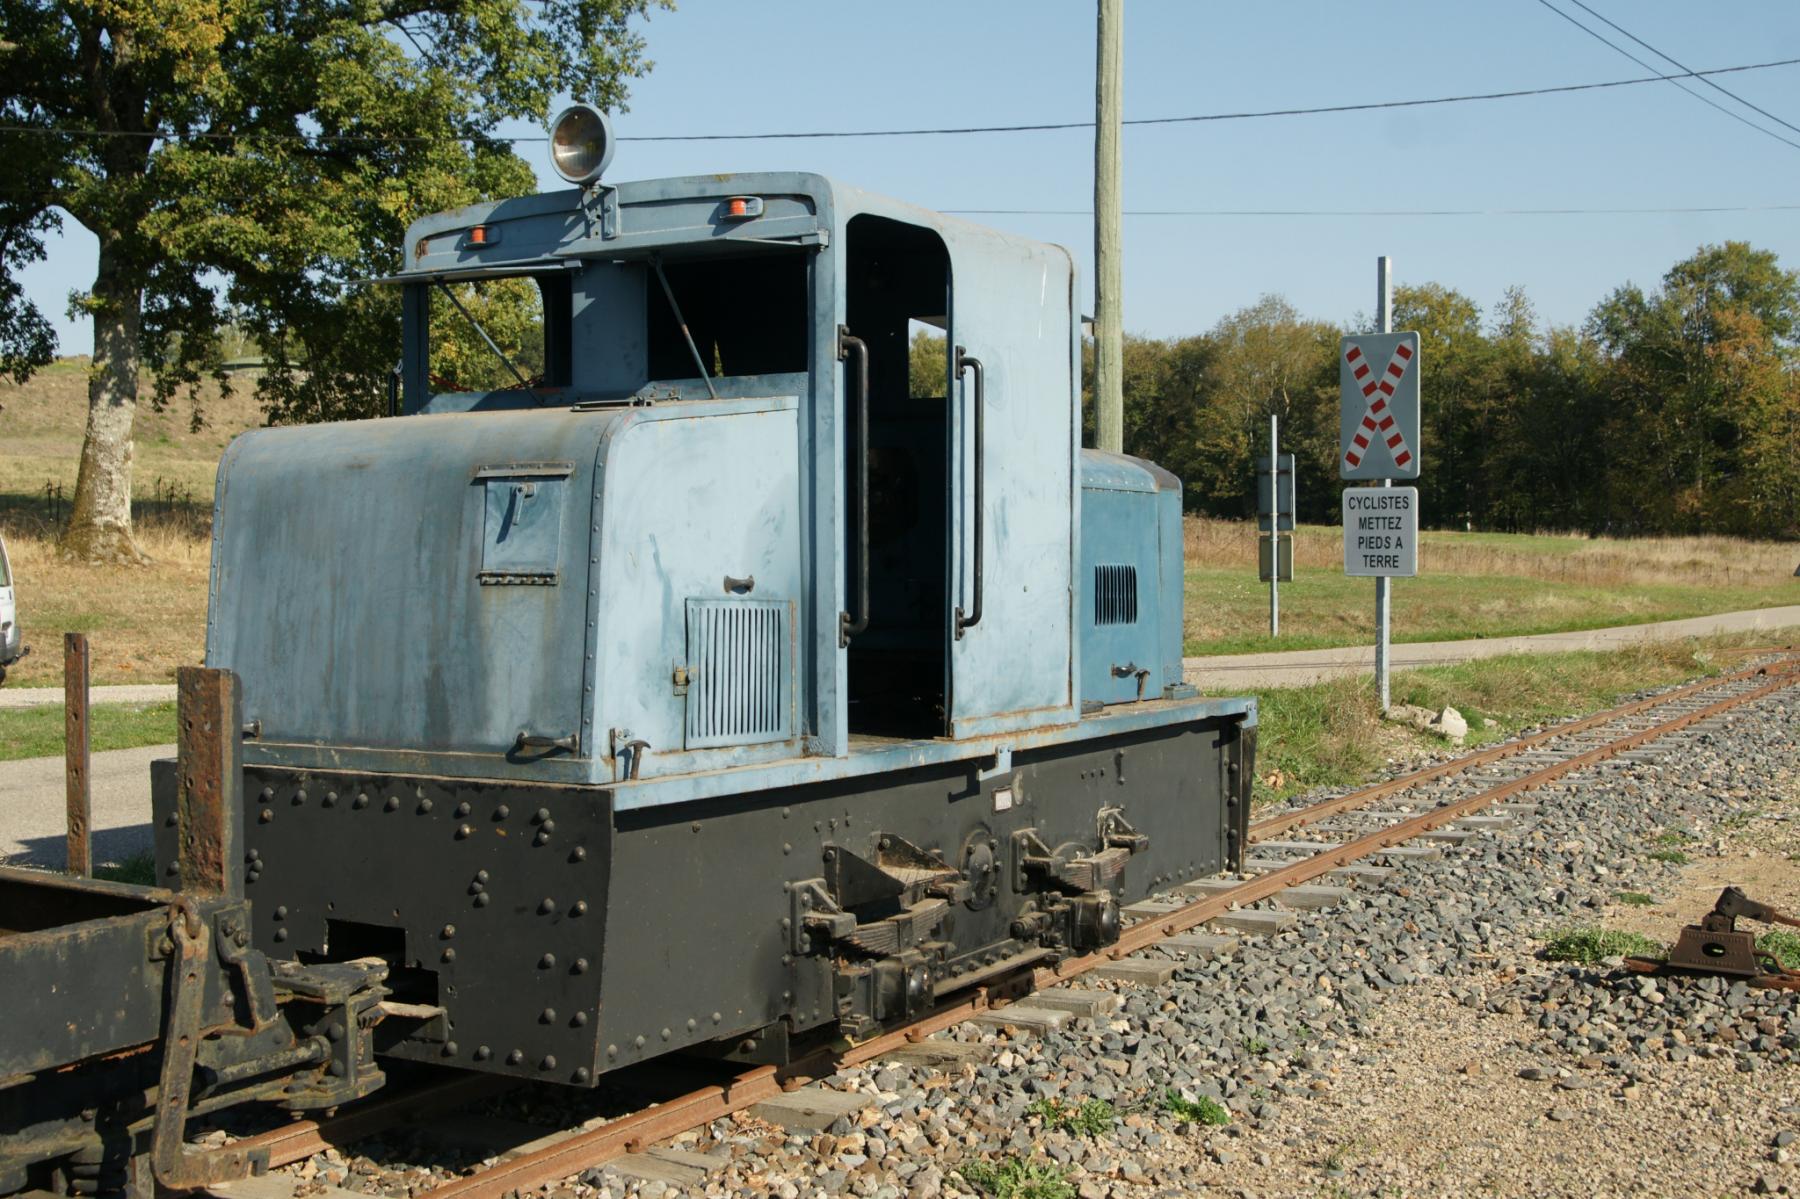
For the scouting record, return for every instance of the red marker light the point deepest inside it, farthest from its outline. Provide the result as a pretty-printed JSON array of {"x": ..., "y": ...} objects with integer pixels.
[
  {"x": 478, "y": 235},
  {"x": 740, "y": 206}
]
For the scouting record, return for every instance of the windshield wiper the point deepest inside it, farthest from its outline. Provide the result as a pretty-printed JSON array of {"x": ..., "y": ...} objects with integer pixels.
[{"x": 498, "y": 352}]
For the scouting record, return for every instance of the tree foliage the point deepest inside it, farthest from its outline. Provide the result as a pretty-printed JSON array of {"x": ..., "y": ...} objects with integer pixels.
[
  {"x": 248, "y": 161},
  {"x": 1671, "y": 411}
]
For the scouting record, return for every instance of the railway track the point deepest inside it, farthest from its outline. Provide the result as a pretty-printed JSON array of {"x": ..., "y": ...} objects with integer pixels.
[{"x": 1348, "y": 831}]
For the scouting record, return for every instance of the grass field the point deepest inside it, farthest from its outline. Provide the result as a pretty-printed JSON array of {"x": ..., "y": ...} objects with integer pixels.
[
  {"x": 1473, "y": 585},
  {"x": 1332, "y": 734},
  {"x": 38, "y": 732}
]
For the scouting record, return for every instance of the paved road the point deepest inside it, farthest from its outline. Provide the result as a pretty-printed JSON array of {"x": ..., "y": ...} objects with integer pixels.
[
  {"x": 32, "y": 821},
  {"x": 134, "y": 693},
  {"x": 1226, "y": 672}
]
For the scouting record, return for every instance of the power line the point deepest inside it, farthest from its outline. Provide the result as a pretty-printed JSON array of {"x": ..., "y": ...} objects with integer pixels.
[
  {"x": 1377, "y": 212},
  {"x": 252, "y": 135},
  {"x": 1709, "y": 83},
  {"x": 1227, "y": 116},
  {"x": 1675, "y": 79}
]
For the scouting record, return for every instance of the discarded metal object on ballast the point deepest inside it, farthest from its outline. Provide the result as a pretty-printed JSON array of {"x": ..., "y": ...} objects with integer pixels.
[{"x": 1716, "y": 946}]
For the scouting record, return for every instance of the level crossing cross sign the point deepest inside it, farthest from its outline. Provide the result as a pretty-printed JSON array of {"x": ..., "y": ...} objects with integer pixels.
[{"x": 1378, "y": 375}]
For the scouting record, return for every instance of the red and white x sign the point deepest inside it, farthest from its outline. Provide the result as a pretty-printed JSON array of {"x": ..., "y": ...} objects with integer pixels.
[{"x": 1377, "y": 420}]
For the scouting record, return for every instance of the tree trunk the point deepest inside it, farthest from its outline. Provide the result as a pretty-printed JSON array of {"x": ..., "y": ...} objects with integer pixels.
[{"x": 100, "y": 520}]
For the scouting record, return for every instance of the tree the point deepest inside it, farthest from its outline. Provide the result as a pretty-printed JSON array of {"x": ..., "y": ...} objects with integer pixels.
[
  {"x": 1266, "y": 360},
  {"x": 1701, "y": 387},
  {"x": 246, "y": 160}
]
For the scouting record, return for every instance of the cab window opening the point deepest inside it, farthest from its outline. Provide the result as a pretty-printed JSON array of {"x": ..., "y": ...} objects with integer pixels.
[
  {"x": 500, "y": 333},
  {"x": 747, "y": 316}
]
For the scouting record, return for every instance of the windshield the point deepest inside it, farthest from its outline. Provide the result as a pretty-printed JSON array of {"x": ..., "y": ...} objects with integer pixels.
[
  {"x": 489, "y": 335},
  {"x": 613, "y": 327},
  {"x": 5, "y": 567}
]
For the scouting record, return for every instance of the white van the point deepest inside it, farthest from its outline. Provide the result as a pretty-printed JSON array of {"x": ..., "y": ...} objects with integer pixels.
[{"x": 12, "y": 639}]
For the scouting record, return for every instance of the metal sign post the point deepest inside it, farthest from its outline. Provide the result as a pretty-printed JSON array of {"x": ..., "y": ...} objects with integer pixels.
[
  {"x": 1275, "y": 511},
  {"x": 1384, "y": 323},
  {"x": 1379, "y": 426},
  {"x": 1275, "y": 517}
]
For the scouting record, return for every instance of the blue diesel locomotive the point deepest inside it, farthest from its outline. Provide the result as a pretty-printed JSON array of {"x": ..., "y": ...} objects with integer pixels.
[{"x": 719, "y": 683}]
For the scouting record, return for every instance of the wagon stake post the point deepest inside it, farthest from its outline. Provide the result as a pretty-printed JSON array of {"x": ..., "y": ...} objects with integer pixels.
[{"x": 76, "y": 755}]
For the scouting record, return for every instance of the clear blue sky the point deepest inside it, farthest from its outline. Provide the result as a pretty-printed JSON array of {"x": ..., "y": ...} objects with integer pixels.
[{"x": 726, "y": 66}]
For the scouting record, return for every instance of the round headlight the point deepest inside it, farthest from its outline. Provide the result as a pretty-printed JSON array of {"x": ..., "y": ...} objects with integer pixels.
[{"x": 581, "y": 143}]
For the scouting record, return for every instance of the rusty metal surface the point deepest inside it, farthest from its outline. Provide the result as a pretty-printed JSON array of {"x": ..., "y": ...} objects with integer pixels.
[
  {"x": 1276, "y": 825},
  {"x": 77, "y": 762},
  {"x": 300, "y": 1139},
  {"x": 1717, "y": 946},
  {"x": 176, "y": 1165},
  {"x": 629, "y": 1134},
  {"x": 88, "y": 945},
  {"x": 209, "y": 802}
]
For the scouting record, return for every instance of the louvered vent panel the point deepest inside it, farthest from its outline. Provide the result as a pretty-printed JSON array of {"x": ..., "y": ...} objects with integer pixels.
[
  {"x": 740, "y": 688},
  {"x": 1115, "y": 595}
]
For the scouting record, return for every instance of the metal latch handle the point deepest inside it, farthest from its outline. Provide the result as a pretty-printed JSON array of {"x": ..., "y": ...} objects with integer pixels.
[{"x": 570, "y": 743}]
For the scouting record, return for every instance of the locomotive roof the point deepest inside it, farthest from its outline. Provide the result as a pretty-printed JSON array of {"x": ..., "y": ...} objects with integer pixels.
[{"x": 685, "y": 215}]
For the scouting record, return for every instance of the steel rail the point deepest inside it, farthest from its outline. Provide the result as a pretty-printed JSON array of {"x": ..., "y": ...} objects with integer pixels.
[
  {"x": 1146, "y": 933},
  {"x": 637, "y": 1131},
  {"x": 300, "y": 1139}
]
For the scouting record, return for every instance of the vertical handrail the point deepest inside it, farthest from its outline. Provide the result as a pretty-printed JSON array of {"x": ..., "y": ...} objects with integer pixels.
[
  {"x": 965, "y": 362},
  {"x": 847, "y": 345},
  {"x": 77, "y": 758}
]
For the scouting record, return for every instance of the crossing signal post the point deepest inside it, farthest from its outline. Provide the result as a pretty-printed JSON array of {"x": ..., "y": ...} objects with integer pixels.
[{"x": 1378, "y": 377}]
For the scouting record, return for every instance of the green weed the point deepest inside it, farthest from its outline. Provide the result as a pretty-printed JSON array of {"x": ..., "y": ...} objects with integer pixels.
[
  {"x": 1092, "y": 1118},
  {"x": 1668, "y": 840},
  {"x": 1255, "y": 1046},
  {"x": 1588, "y": 945},
  {"x": 1015, "y": 1178},
  {"x": 1195, "y": 1111},
  {"x": 139, "y": 868},
  {"x": 1673, "y": 857},
  {"x": 1636, "y": 899},
  {"x": 1783, "y": 944}
]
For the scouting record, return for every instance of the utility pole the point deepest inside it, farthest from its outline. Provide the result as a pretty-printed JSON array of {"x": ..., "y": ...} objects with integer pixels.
[
  {"x": 1109, "y": 341},
  {"x": 1384, "y": 323}
]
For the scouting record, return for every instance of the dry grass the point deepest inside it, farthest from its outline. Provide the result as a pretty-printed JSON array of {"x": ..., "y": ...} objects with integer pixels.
[
  {"x": 1571, "y": 558},
  {"x": 41, "y": 425},
  {"x": 141, "y": 622},
  {"x": 1473, "y": 585}
]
